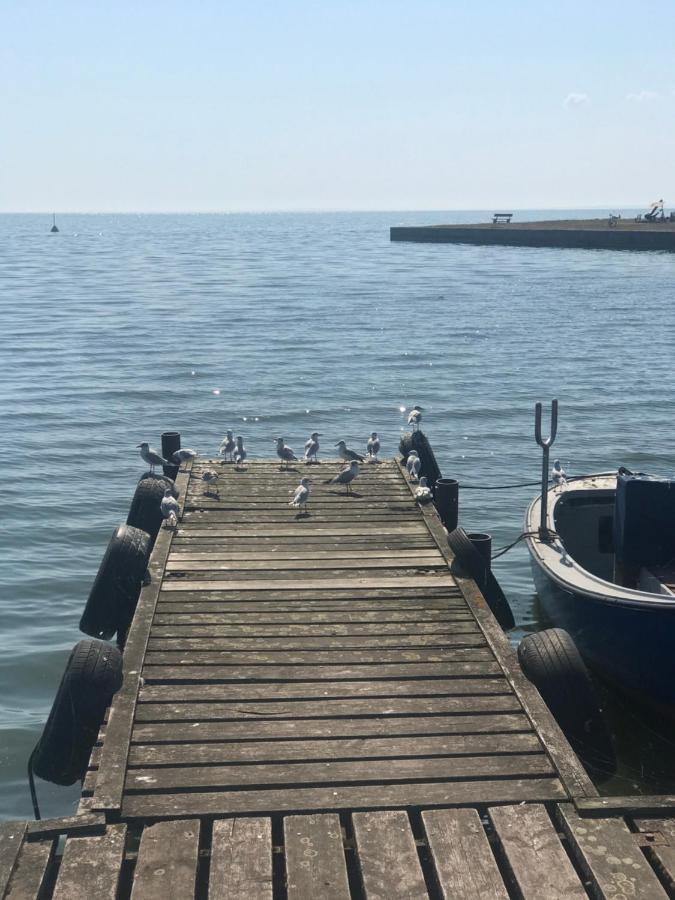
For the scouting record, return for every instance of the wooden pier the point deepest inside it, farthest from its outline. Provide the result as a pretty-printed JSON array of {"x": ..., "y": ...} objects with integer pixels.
[{"x": 319, "y": 706}]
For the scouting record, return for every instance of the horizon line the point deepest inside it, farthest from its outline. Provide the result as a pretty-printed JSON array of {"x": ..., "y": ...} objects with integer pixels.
[{"x": 309, "y": 210}]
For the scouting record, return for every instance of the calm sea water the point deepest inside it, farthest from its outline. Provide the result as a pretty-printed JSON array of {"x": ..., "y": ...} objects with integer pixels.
[{"x": 121, "y": 327}]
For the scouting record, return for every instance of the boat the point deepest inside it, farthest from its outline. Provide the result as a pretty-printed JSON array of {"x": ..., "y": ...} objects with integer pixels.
[{"x": 603, "y": 562}]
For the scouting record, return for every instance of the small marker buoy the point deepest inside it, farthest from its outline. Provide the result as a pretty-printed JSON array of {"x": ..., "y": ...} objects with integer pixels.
[{"x": 54, "y": 229}]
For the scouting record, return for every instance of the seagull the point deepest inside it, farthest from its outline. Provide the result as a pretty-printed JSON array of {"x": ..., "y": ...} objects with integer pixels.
[
  {"x": 285, "y": 453},
  {"x": 210, "y": 477},
  {"x": 239, "y": 452},
  {"x": 413, "y": 465},
  {"x": 373, "y": 446},
  {"x": 227, "y": 446},
  {"x": 415, "y": 416},
  {"x": 151, "y": 457},
  {"x": 312, "y": 447},
  {"x": 558, "y": 473},
  {"x": 346, "y": 476},
  {"x": 169, "y": 507},
  {"x": 423, "y": 492},
  {"x": 348, "y": 455},
  {"x": 183, "y": 455},
  {"x": 301, "y": 496}
]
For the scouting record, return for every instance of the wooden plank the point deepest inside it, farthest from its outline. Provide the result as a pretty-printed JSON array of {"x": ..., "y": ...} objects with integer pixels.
[
  {"x": 319, "y": 657},
  {"x": 644, "y": 805},
  {"x": 168, "y": 857},
  {"x": 534, "y": 854},
  {"x": 91, "y": 866},
  {"x": 339, "y": 797},
  {"x": 333, "y": 596},
  {"x": 315, "y": 859},
  {"x": 170, "y": 779},
  {"x": 307, "y": 709},
  {"x": 400, "y": 583},
  {"x": 241, "y": 860},
  {"x": 294, "y": 530},
  {"x": 29, "y": 878},
  {"x": 315, "y": 566},
  {"x": 464, "y": 864},
  {"x": 280, "y": 690},
  {"x": 317, "y": 630},
  {"x": 339, "y": 642},
  {"x": 255, "y": 729},
  {"x": 92, "y": 823},
  {"x": 199, "y": 753},
  {"x": 283, "y": 673},
  {"x": 659, "y": 847},
  {"x": 11, "y": 836},
  {"x": 358, "y": 617},
  {"x": 215, "y": 604},
  {"x": 263, "y": 556},
  {"x": 387, "y": 854},
  {"x": 609, "y": 856}
]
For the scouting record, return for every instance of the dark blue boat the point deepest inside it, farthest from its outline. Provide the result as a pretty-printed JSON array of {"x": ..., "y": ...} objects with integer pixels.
[{"x": 607, "y": 576}]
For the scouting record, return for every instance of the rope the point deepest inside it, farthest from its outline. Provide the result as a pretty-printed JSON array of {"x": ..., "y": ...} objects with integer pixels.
[
  {"x": 31, "y": 785},
  {"x": 506, "y": 487},
  {"x": 522, "y": 536}
]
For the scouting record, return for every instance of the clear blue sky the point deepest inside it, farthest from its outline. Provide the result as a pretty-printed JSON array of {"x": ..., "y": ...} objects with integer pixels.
[{"x": 205, "y": 105}]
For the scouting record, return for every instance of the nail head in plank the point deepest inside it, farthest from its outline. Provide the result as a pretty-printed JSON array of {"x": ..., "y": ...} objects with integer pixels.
[
  {"x": 315, "y": 860},
  {"x": 534, "y": 853},
  {"x": 241, "y": 860},
  {"x": 465, "y": 866},
  {"x": 387, "y": 854},
  {"x": 91, "y": 866},
  {"x": 168, "y": 856}
]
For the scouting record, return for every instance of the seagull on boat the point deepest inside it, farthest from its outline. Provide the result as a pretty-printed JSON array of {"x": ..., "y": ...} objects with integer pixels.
[
  {"x": 415, "y": 417},
  {"x": 239, "y": 452},
  {"x": 346, "y": 476},
  {"x": 423, "y": 492},
  {"x": 151, "y": 457},
  {"x": 301, "y": 497},
  {"x": 312, "y": 447},
  {"x": 210, "y": 478},
  {"x": 285, "y": 453},
  {"x": 184, "y": 455},
  {"x": 558, "y": 473},
  {"x": 373, "y": 446},
  {"x": 348, "y": 455},
  {"x": 413, "y": 465},
  {"x": 227, "y": 446},
  {"x": 169, "y": 508}
]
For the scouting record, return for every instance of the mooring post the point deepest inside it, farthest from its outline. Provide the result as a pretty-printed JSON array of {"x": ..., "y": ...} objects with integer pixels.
[
  {"x": 545, "y": 444},
  {"x": 170, "y": 443},
  {"x": 446, "y": 499},
  {"x": 482, "y": 542}
]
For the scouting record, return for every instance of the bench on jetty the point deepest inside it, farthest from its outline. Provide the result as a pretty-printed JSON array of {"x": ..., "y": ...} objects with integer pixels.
[
  {"x": 501, "y": 217},
  {"x": 320, "y": 707}
]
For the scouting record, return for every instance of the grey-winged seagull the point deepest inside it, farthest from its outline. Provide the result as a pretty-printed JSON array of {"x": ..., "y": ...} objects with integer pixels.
[
  {"x": 346, "y": 476},
  {"x": 151, "y": 457}
]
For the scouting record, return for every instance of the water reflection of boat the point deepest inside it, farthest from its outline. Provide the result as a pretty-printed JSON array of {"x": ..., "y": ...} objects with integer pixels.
[{"x": 605, "y": 572}]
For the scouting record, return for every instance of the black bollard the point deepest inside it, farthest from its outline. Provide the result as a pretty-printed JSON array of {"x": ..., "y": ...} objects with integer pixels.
[
  {"x": 483, "y": 543},
  {"x": 447, "y": 501},
  {"x": 170, "y": 443}
]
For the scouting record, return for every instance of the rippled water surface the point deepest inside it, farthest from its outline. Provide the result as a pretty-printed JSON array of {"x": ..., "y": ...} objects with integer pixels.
[{"x": 121, "y": 327}]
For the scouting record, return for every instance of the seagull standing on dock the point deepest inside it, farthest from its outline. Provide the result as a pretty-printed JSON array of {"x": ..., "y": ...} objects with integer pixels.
[
  {"x": 415, "y": 417},
  {"x": 373, "y": 446},
  {"x": 151, "y": 457},
  {"x": 181, "y": 456},
  {"x": 348, "y": 455},
  {"x": 210, "y": 478},
  {"x": 169, "y": 507},
  {"x": 227, "y": 446},
  {"x": 285, "y": 453},
  {"x": 301, "y": 497},
  {"x": 346, "y": 476},
  {"x": 413, "y": 465},
  {"x": 239, "y": 452},
  {"x": 312, "y": 448},
  {"x": 558, "y": 473},
  {"x": 423, "y": 492}
]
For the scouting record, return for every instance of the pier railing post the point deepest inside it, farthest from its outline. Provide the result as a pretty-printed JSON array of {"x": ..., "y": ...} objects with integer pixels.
[
  {"x": 446, "y": 499},
  {"x": 170, "y": 443}
]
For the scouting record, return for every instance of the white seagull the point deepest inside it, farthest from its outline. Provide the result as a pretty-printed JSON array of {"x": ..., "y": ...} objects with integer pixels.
[
  {"x": 151, "y": 457},
  {"x": 312, "y": 447},
  {"x": 413, "y": 465},
  {"x": 210, "y": 478},
  {"x": 415, "y": 417},
  {"x": 373, "y": 445},
  {"x": 301, "y": 497},
  {"x": 285, "y": 453},
  {"x": 348, "y": 455},
  {"x": 184, "y": 455},
  {"x": 346, "y": 476},
  {"x": 227, "y": 446},
  {"x": 239, "y": 452},
  {"x": 423, "y": 492},
  {"x": 169, "y": 507},
  {"x": 558, "y": 473}
]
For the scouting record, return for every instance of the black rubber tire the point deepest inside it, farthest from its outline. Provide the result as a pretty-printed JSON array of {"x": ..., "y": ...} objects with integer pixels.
[
  {"x": 93, "y": 674},
  {"x": 114, "y": 593},
  {"x": 553, "y": 664},
  {"x": 168, "y": 482},
  {"x": 145, "y": 512},
  {"x": 470, "y": 561},
  {"x": 417, "y": 440}
]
